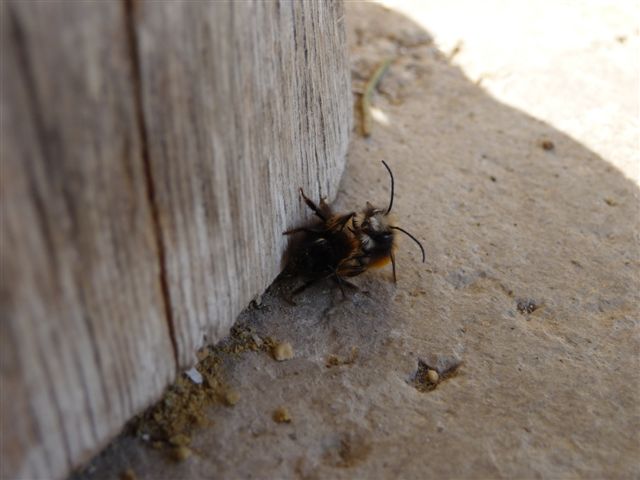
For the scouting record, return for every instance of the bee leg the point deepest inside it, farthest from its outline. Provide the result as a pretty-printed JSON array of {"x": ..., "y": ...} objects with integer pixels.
[
  {"x": 339, "y": 282},
  {"x": 325, "y": 208},
  {"x": 347, "y": 283},
  {"x": 342, "y": 282},
  {"x": 313, "y": 206},
  {"x": 349, "y": 269},
  {"x": 303, "y": 287},
  {"x": 393, "y": 266},
  {"x": 307, "y": 284}
]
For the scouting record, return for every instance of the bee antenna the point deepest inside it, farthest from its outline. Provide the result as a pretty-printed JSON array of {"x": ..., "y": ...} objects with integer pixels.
[
  {"x": 391, "y": 175},
  {"x": 412, "y": 238}
]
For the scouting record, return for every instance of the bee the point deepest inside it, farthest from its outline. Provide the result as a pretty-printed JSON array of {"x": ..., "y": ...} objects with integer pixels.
[
  {"x": 376, "y": 236},
  {"x": 341, "y": 246},
  {"x": 326, "y": 249}
]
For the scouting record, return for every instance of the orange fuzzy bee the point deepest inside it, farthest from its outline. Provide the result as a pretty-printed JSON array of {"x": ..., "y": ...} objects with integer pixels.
[{"x": 376, "y": 236}]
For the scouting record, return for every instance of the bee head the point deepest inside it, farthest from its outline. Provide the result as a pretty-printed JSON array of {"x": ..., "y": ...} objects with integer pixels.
[{"x": 376, "y": 231}]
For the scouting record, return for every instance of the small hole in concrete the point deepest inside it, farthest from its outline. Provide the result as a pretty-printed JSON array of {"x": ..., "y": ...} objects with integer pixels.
[{"x": 432, "y": 373}]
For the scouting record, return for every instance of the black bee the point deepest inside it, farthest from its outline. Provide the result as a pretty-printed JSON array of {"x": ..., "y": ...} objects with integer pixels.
[
  {"x": 340, "y": 246},
  {"x": 326, "y": 248}
]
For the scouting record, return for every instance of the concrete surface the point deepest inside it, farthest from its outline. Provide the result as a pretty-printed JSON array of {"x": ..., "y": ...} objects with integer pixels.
[{"x": 531, "y": 277}]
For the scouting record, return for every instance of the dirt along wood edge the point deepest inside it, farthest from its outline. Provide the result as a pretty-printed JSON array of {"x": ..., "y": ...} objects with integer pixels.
[{"x": 150, "y": 161}]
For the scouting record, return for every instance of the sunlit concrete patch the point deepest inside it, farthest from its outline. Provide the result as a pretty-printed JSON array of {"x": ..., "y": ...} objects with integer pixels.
[{"x": 572, "y": 64}]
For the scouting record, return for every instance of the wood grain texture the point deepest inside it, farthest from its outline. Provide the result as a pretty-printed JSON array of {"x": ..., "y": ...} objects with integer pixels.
[
  {"x": 255, "y": 103},
  {"x": 151, "y": 158},
  {"x": 83, "y": 330}
]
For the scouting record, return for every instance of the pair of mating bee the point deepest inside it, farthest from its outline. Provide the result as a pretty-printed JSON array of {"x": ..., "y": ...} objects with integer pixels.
[{"x": 341, "y": 246}]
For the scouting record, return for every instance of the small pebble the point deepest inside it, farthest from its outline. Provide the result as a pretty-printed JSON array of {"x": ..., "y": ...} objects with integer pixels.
[
  {"x": 181, "y": 453},
  {"x": 281, "y": 415},
  {"x": 282, "y": 351},
  {"x": 231, "y": 397},
  {"x": 525, "y": 306},
  {"x": 332, "y": 361},
  {"x": 433, "y": 376},
  {"x": 202, "y": 353}
]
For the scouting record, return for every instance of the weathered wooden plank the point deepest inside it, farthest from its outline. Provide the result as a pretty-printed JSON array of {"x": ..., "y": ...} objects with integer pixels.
[
  {"x": 84, "y": 339},
  {"x": 244, "y": 102},
  {"x": 151, "y": 156}
]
